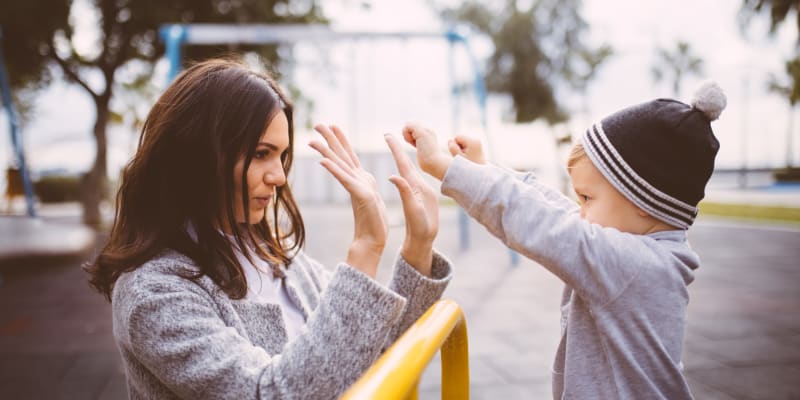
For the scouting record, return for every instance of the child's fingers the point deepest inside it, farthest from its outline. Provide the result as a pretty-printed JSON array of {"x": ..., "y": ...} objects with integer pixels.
[
  {"x": 467, "y": 142},
  {"x": 454, "y": 148},
  {"x": 408, "y": 135}
]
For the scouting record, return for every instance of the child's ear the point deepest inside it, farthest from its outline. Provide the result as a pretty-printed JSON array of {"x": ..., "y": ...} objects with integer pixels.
[{"x": 642, "y": 213}]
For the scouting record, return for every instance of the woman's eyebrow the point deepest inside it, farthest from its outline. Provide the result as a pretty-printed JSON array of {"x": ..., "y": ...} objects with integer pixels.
[{"x": 270, "y": 145}]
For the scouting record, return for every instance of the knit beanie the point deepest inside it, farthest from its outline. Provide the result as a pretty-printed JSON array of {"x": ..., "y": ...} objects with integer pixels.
[{"x": 660, "y": 154}]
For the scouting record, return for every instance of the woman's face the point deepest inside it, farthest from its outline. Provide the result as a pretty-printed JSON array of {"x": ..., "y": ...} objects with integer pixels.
[{"x": 265, "y": 172}]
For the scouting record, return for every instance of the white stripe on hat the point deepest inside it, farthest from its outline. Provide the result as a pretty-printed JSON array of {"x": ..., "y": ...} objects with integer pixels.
[{"x": 633, "y": 186}]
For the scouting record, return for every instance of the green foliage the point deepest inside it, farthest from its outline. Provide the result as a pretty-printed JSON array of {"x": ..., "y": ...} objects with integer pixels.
[
  {"x": 751, "y": 211},
  {"x": 778, "y": 11},
  {"x": 27, "y": 27},
  {"x": 538, "y": 50},
  {"x": 41, "y": 36},
  {"x": 38, "y": 33},
  {"x": 787, "y": 87},
  {"x": 58, "y": 189},
  {"x": 65, "y": 188}
]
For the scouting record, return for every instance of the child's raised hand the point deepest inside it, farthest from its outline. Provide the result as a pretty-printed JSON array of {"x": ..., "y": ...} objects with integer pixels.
[
  {"x": 468, "y": 147},
  {"x": 430, "y": 158}
]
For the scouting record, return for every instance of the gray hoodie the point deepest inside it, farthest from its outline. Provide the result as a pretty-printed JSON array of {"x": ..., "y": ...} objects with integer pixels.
[
  {"x": 185, "y": 339},
  {"x": 624, "y": 304}
]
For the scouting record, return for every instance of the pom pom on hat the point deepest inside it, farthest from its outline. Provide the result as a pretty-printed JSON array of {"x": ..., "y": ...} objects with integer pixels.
[{"x": 710, "y": 99}]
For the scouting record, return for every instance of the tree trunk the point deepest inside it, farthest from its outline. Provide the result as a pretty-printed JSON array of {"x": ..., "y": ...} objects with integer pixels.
[
  {"x": 789, "y": 141},
  {"x": 94, "y": 182}
]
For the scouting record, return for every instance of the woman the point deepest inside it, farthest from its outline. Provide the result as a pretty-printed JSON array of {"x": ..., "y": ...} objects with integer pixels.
[{"x": 212, "y": 295}]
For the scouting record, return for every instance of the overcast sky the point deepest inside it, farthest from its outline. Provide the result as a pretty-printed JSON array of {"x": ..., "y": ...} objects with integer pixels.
[{"x": 371, "y": 87}]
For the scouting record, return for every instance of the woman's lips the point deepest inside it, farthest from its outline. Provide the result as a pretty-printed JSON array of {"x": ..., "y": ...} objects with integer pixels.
[{"x": 262, "y": 202}]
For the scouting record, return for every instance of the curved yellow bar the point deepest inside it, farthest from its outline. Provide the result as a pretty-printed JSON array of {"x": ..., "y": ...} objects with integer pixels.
[{"x": 396, "y": 373}]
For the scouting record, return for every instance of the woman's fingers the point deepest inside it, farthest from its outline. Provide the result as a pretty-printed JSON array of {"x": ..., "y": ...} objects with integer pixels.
[
  {"x": 328, "y": 154},
  {"x": 334, "y": 144},
  {"x": 405, "y": 190},
  {"x": 404, "y": 165},
  {"x": 346, "y": 145},
  {"x": 343, "y": 177}
]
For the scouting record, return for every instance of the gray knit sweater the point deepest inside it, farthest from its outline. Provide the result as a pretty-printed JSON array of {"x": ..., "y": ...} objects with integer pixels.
[
  {"x": 624, "y": 304},
  {"x": 181, "y": 339}
]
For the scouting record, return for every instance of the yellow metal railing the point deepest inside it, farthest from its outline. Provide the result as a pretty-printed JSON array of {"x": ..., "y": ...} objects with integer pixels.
[{"x": 397, "y": 372}]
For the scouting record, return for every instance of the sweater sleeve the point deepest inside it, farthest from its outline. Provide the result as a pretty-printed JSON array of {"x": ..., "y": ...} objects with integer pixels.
[
  {"x": 419, "y": 291},
  {"x": 598, "y": 263},
  {"x": 175, "y": 331}
]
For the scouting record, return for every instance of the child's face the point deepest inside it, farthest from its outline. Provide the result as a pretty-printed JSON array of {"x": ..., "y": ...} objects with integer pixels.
[{"x": 602, "y": 204}]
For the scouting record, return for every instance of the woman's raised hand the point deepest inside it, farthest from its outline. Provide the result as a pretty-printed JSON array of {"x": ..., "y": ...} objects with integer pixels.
[
  {"x": 420, "y": 207},
  {"x": 369, "y": 211}
]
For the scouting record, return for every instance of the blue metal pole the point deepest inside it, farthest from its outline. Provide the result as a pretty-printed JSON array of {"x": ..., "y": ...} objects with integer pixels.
[
  {"x": 463, "y": 219},
  {"x": 173, "y": 36},
  {"x": 16, "y": 140},
  {"x": 480, "y": 93}
]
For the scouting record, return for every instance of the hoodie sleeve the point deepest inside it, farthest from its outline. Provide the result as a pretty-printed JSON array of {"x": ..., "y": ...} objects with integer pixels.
[
  {"x": 598, "y": 263},
  {"x": 553, "y": 196}
]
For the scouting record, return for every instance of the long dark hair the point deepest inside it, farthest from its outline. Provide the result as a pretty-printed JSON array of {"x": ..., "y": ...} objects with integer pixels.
[{"x": 181, "y": 180}]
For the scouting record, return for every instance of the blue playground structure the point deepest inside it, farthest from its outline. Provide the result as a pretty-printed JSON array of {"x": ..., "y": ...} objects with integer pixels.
[{"x": 16, "y": 139}]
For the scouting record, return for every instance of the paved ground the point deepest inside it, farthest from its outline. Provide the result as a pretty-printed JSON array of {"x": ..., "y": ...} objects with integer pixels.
[{"x": 743, "y": 338}]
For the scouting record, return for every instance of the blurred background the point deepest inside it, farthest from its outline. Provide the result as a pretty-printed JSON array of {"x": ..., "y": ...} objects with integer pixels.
[{"x": 526, "y": 77}]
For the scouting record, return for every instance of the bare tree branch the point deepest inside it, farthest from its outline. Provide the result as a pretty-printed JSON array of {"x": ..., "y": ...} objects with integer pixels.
[{"x": 72, "y": 75}]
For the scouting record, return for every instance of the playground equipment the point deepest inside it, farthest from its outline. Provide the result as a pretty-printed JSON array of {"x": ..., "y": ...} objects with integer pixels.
[
  {"x": 176, "y": 35},
  {"x": 397, "y": 372},
  {"x": 18, "y": 176}
]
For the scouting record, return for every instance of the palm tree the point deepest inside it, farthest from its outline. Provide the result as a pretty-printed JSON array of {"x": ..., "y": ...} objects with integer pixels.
[
  {"x": 675, "y": 65},
  {"x": 778, "y": 11},
  {"x": 789, "y": 88}
]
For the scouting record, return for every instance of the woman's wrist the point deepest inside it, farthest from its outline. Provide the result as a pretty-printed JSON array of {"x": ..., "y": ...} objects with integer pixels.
[
  {"x": 365, "y": 257},
  {"x": 419, "y": 256}
]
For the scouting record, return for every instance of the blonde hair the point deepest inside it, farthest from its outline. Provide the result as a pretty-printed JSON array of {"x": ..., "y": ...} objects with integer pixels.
[{"x": 576, "y": 154}]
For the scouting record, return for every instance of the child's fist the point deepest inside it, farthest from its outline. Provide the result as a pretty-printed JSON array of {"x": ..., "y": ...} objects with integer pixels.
[
  {"x": 430, "y": 158},
  {"x": 468, "y": 147}
]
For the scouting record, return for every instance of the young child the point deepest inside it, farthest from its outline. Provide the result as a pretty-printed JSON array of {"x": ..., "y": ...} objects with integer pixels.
[{"x": 622, "y": 251}]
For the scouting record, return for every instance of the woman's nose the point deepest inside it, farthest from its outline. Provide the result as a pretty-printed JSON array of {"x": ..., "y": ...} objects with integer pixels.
[{"x": 275, "y": 175}]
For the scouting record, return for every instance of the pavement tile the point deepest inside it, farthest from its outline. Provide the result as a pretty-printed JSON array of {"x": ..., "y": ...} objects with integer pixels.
[
  {"x": 753, "y": 350},
  {"x": 737, "y": 327},
  {"x": 702, "y": 391},
  {"x": 774, "y": 381}
]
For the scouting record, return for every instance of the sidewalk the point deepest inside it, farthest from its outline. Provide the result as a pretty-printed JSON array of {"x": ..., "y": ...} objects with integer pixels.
[{"x": 743, "y": 339}]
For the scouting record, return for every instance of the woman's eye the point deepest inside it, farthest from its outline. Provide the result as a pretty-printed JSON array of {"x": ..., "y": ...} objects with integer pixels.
[{"x": 261, "y": 154}]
